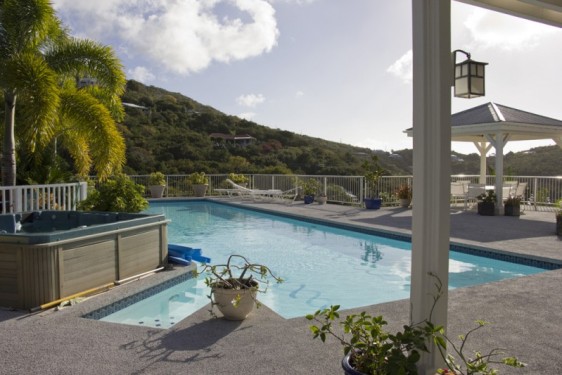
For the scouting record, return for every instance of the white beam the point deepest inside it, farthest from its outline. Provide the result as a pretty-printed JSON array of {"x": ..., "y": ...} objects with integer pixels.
[
  {"x": 483, "y": 148},
  {"x": 432, "y": 72}
]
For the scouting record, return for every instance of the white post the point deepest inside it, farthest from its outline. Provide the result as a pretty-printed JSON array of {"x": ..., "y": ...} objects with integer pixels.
[
  {"x": 483, "y": 148},
  {"x": 500, "y": 142},
  {"x": 432, "y": 65}
]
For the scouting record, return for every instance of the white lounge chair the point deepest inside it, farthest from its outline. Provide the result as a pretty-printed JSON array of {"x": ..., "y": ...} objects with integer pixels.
[
  {"x": 458, "y": 192},
  {"x": 262, "y": 194}
]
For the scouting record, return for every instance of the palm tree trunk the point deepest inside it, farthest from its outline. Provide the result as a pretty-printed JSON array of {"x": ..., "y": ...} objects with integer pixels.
[{"x": 9, "y": 146}]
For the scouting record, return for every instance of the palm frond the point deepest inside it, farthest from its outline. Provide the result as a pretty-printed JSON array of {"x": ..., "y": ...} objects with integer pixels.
[
  {"x": 87, "y": 58},
  {"x": 92, "y": 119},
  {"x": 28, "y": 23},
  {"x": 37, "y": 89}
]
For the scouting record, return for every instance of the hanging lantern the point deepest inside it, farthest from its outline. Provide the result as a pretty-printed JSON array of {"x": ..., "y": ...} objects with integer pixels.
[{"x": 469, "y": 77}]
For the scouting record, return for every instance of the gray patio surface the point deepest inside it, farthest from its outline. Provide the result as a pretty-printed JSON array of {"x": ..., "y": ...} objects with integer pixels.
[{"x": 526, "y": 314}]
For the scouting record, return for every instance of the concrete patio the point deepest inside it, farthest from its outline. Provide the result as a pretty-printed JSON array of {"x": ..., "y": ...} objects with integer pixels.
[{"x": 526, "y": 314}]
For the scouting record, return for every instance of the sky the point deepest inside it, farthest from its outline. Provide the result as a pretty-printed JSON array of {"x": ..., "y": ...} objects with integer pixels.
[{"x": 339, "y": 70}]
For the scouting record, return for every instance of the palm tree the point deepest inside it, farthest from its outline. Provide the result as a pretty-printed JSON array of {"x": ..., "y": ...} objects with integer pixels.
[{"x": 40, "y": 66}]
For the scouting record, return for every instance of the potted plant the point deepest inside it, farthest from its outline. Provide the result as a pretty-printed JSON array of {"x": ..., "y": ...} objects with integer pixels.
[
  {"x": 370, "y": 350},
  {"x": 479, "y": 363},
  {"x": 512, "y": 206},
  {"x": 322, "y": 198},
  {"x": 240, "y": 179},
  {"x": 559, "y": 218},
  {"x": 234, "y": 287},
  {"x": 404, "y": 194},
  {"x": 487, "y": 203},
  {"x": 157, "y": 184},
  {"x": 310, "y": 188},
  {"x": 199, "y": 182},
  {"x": 373, "y": 173}
]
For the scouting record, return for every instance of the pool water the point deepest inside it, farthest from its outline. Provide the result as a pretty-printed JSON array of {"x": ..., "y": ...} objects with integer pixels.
[{"x": 321, "y": 265}]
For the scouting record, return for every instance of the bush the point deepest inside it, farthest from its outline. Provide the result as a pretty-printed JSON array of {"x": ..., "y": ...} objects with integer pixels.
[{"x": 116, "y": 194}]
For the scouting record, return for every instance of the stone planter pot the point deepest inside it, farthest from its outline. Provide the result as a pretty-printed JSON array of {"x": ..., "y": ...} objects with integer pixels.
[
  {"x": 405, "y": 203},
  {"x": 200, "y": 189},
  {"x": 510, "y": 210},
  {"x": 224, "y": 297},
  {"x": 157, "y": 191},
  {"x": 322, "y": 199}
]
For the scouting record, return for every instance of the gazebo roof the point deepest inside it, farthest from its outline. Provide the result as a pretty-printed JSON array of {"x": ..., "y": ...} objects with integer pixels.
[{"x": 472, "y": 125}]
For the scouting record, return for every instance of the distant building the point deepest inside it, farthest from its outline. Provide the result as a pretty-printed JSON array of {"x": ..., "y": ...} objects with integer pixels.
[
  {"x": 238, "y": 140},
  {"x": 86, "y": 81}
]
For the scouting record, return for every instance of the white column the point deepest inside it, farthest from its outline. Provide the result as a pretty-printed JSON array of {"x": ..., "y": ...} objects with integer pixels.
[
  {"x": 432, "y": 65},
  {"x": 500, "y": 142},
  {"x": 483, "y": 148}
]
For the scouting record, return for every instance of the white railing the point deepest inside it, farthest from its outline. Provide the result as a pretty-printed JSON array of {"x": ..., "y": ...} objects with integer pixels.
[
  {"x": 541, "y": 194},
  {"x": 57, "y": 197}
]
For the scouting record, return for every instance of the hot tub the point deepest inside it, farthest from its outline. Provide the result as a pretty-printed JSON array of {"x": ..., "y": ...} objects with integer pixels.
[{"x": 48, "y": 255}]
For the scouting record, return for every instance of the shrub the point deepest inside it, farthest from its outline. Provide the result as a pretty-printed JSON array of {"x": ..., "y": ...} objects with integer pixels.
[{"x": 116, "y": 194}]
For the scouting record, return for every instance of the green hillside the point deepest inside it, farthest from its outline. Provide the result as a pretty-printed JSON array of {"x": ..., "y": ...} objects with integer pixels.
[{"x": 172, "y": 134}]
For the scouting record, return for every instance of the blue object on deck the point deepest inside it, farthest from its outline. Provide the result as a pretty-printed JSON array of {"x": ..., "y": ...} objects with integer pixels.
[
  {"x": 187, "y": 253},
  {"x": 178, "y": 260}
]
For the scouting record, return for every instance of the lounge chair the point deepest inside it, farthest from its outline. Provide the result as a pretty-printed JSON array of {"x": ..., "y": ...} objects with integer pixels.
[
  {"x": 262, "y": 194},
  {"x": 458, "y": 192},
  {"x": 473, "y": 192}
]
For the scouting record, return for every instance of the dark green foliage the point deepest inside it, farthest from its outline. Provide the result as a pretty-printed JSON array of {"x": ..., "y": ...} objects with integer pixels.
[
  {"x": 172, "y": 135},
  {"x": 116, "y": 194}
]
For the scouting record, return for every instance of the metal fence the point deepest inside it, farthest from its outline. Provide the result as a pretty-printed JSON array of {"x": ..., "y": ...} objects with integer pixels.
[{"x": 541, "y": 193}]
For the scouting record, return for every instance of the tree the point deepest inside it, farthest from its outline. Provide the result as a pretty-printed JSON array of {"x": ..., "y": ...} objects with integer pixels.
[{"x": 40, "y": 69}]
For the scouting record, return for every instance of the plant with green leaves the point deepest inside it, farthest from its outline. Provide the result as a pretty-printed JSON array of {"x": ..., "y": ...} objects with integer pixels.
[
  {"x": 238, "y": 178},
  {"x": 157, "y": 178},
  {"x": 464, "y": 365},
  {"x": 198, "y": 178},
  {"x": 374, "y": 351},
  {"x": 240, "y": 275},
  {"x": 372, "y": 172},
  {"x": 40, "y": 68},
  {"x": 311, "y": 186},
  {"x": 116, "y": 194},
  {"x": 487, "y": 197}
]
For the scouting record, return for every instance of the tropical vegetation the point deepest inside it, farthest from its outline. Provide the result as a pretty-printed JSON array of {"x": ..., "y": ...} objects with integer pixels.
[
  {"x": 61, "y": 96},
  {"x": 116, "y": 194}
]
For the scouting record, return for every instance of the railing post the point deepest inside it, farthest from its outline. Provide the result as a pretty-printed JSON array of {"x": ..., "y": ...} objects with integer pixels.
[{"x": 17, "y": 200}]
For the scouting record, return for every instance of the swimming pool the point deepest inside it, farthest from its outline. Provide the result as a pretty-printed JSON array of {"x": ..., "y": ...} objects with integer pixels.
[{"x": 322, "y": 265}]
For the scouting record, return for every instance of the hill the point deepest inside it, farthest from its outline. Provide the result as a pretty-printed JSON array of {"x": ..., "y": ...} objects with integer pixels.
[{"x": 174, "y": 134}]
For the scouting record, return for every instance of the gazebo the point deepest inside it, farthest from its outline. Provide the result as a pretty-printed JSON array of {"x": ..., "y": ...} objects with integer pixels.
[{"x": 493, "y": 125}]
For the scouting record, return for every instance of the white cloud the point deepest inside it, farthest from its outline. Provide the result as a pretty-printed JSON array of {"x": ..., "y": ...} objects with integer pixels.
[
  {"x": 247, "y": 115},
  {"x": 299, "y": 94},
  {"x": 402, "y": 68},
  {"x": 495, "y": 30},
  {"x": 184, "y": 36},
  {"x": 250, "y": 100},
  {"x": 141, "y": 74}
]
